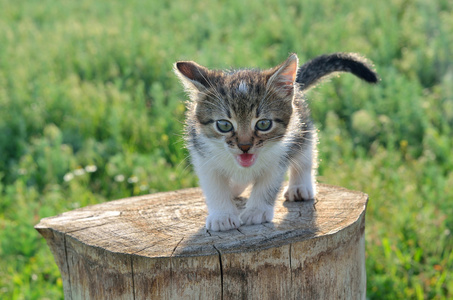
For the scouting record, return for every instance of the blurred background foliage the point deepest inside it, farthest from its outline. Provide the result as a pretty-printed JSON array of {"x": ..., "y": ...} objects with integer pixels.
[{"x": 90, "y": 111}]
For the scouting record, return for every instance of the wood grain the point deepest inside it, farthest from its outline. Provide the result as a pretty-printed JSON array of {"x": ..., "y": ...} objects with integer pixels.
[{"x": 156, "y": 247}]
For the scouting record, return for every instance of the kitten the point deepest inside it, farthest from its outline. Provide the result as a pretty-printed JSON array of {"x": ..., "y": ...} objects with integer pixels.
[{"x": 249, "y": 126}]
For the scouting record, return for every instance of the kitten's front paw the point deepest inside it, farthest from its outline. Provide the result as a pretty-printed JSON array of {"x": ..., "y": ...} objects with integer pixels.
[
  {"x": 257, "y": 215},
  {"x": 222, "y": 222},
  {"x": 300, "y": 192}
]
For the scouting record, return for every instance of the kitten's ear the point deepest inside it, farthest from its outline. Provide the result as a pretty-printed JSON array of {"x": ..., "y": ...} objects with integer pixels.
[
  {"x": 192, "y": 75},
  {"x": 283, "y": 76}
]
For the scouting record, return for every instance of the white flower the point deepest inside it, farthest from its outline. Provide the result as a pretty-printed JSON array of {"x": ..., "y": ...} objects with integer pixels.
[
  {"x": 79, "y": 172},
  {"x": 68, "y": 177},
  {"x": 119, "y": 178},
  {"x": 91, "y": 168},
  {"x": 132, "y": 179}
]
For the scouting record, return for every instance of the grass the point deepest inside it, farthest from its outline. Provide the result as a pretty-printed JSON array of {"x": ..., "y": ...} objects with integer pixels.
[{"x": 90, "y": 111}]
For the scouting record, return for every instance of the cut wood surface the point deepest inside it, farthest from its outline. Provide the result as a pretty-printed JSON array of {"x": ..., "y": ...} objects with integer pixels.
[{"x": 157, "y": 247}]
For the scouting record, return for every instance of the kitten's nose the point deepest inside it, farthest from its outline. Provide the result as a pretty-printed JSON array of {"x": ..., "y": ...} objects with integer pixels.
[{"x": 245, "y": 147}]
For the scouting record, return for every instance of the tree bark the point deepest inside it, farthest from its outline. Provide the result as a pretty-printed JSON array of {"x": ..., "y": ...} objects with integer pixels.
[{"x": 157, "y": 247}]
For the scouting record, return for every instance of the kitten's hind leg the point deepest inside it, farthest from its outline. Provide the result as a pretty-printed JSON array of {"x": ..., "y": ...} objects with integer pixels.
[{"x": 302, "y": 182}]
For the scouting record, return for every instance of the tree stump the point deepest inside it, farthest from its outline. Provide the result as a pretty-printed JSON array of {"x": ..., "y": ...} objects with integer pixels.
[{"x": 157, "y": 247}]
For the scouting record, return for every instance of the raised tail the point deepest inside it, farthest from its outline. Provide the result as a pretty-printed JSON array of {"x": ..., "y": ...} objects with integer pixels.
[{"x": 315, "y": 70}]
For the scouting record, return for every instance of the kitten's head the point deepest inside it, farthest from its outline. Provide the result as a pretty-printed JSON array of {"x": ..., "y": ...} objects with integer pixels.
[{"x": 243, "y": 112}]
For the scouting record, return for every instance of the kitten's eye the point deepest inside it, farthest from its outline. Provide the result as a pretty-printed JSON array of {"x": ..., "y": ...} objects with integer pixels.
[
  {"x": 264, "y": 124},
  {"x": 224, "y": 126}
]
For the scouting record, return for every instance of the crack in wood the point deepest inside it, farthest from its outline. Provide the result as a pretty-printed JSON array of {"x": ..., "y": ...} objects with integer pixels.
[
  {"x": 174, "y": 249},
  {"x": 221, "y": 271},
  {"x": 67, "y": 264},
  {"x": 238, "y": 229},
  {"x": 141, "y": 250},
  {"x": 88, "y": 227},
  {"x": 133, "y": 279},
  {"x": 290, "y": 266}
]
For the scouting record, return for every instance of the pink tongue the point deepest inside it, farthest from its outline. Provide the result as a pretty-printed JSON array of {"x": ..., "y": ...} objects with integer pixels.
[{"x": 246, "y": 160}]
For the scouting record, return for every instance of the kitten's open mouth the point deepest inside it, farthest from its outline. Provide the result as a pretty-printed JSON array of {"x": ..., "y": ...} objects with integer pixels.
[{"x": 246, "y": 160}]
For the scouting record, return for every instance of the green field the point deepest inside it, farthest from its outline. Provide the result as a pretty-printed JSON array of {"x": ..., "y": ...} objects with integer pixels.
[{"x": 90, "y": 111}]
